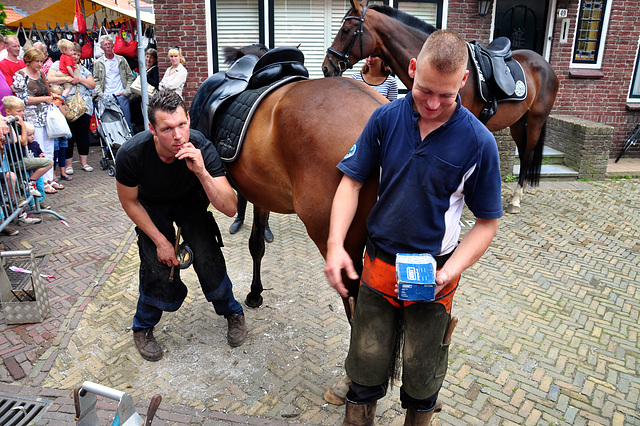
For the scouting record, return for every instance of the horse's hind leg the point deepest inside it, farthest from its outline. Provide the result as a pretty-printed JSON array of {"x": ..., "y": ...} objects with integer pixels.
[
  {"x": 519, "y": 135},
  {"x": 256, "y": 248}
]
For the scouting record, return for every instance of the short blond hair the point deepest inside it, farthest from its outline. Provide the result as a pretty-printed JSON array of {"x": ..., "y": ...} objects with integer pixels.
[
  {"x": 11, "y": 103},
  {"x": 64, "y": 44},
  {"x": 30, "y": 127},
  {"x": 55, "y": 88},
  {"x": 446, "y": 51}
]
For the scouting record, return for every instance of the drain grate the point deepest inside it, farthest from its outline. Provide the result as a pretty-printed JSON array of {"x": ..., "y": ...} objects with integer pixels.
[{"x": 18, "y": 410}]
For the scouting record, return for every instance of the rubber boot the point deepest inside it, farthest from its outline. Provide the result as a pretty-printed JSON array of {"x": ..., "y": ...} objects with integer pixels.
[
  {"x": 420, "y": 418},
  {"x": 360, "y": 414}
]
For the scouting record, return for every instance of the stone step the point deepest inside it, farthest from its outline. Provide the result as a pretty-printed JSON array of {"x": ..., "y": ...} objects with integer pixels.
[
  {"x": 553, "y": 167},
  {"x": 549, "y": 156},
  {"x": 552, "y": 172}
]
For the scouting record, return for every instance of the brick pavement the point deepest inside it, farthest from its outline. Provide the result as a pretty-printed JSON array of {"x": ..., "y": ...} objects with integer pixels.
[{"x": 548, "y": 330}]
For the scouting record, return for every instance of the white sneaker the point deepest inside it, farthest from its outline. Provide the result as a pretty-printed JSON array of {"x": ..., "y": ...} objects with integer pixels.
[
  {"x": 25, "y": 219},
  {"x": 33, "y": 190},
  {"x": 69, "y": 170}
]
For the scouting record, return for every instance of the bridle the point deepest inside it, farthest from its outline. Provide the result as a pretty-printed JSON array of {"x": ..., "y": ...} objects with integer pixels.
[{"x": 343, "y": 62}]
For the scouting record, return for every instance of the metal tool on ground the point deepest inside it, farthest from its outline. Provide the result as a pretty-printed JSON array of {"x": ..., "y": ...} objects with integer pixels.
[{"x": 86, "y": 398}]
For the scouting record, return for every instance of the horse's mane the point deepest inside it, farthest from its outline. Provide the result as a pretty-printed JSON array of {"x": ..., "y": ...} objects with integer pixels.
[
  {"x": 405, "y": 18},
  {"x": 232, "y": 54}
]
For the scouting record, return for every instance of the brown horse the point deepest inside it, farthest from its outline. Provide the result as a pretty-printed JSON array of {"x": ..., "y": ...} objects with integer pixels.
[
  {"x": 396, "y": 37},
  {"x": 295, "y": 139}
]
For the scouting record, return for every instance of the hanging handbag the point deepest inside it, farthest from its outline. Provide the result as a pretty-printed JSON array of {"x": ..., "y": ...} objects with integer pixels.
[
  {"x": 97, "y": 50},
  {"x": 86, "y": 44},
  {"x": 51, "y": 40},
  {"x": 123, "y": 47},
  {"x": 79, "y": 23},
  {"x": 23, "y": 38},
  {"x": 56, "y": 123},
  {"x": 76, "y": 106},
  {"x": 34, "y": 36},
  {"x": 152, "y": 39},
  {"x": 136, "y": 86}
]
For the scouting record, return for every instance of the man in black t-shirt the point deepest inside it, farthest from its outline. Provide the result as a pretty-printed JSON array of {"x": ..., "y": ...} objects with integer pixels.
[{"x": 169, "y": 174}]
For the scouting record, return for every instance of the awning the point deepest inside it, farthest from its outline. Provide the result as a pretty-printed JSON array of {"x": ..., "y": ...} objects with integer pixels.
[{"x": 64, "y": 11}]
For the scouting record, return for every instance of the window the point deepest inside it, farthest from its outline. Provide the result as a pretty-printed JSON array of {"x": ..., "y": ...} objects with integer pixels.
[
  {"x": 634, "y": 92},
  {"x": 237, "y": 26},
  {"x": 428, "y": 11},
  {"x": 591, "y": 29}
]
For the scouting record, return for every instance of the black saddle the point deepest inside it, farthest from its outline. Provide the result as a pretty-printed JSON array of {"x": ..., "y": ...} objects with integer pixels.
[
  {"x": 492, "y": 60},
  {"x": 276, "y": 64},
  {"x": 223, "y": 106},
  {"x": 500, "y": 77},
  {"x": 247, "y": 72},
  {"x": 217, "y": 89}
]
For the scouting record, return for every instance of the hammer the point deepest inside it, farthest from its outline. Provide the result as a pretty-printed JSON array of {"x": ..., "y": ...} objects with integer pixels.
[{"x": 175, "y": 250}]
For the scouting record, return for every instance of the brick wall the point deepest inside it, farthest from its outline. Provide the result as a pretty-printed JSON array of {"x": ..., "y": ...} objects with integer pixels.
[
  {"x": 602, "y": 100},
  {"x": 585, "y": 143},
  {"x": 463, "y": 18},
  {"x": 186, "y": 29}
]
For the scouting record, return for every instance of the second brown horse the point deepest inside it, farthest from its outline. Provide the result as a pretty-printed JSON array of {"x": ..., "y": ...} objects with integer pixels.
[{"x": 396, "y": 37}]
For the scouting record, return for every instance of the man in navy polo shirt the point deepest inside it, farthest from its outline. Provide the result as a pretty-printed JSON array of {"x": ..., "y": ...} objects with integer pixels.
[{"x": 433, "y": 156}]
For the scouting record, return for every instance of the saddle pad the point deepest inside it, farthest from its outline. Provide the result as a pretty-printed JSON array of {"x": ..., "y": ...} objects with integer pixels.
[
  {"x": 488, "y": 89},
  {"x": 233, "y": 121}
]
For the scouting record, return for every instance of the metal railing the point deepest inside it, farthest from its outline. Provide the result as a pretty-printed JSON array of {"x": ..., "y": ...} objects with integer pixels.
[{"x": 15, "y": 196}]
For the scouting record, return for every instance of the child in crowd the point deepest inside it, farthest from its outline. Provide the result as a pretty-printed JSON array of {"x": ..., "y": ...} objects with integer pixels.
[
  {"x": 60, "y": 144},
  {"x": 36, "y": 165},
  {"x": 15, "y": 107},
  {"x": 67, "y": 66},
  {"x": 36, "y": 156}
]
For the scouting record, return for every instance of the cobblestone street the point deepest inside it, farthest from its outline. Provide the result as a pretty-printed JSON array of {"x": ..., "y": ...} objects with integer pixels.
[{"x": 548, "y": 332}]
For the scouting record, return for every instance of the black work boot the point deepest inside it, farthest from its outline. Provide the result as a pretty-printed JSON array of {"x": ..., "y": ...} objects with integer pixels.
[
  {"x": 147, "y": 344},
  {"x": 360, "y": 414},
  {"x": 237, "y": 330},
  {"x": 421, "y": 418},
  {"x": 236, "y": 225}
]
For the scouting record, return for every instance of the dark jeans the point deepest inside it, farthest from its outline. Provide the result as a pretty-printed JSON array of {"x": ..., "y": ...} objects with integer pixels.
[{"x": 201, "y": 233}]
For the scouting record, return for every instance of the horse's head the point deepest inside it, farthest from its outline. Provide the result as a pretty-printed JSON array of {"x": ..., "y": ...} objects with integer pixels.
[
  {"x": 352, "y": 42},
  {"x": 384, "y": 32}
]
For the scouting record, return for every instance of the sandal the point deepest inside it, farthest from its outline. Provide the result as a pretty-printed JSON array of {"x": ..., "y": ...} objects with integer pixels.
[
  {"x": 69, "y": 170},
  {"x": 66, "y": 177},
  {"x": 48, "y": 189},
  {"x": 87, "y": 168},
  {"x": 56, "y": 185}
]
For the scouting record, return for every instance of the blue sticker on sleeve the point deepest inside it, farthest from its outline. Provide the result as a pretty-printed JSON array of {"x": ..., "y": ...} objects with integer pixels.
[{"x": 351, "y": 152}]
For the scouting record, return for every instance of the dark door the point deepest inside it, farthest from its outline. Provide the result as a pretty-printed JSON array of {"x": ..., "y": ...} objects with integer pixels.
[{"x": 523, "y": 22}]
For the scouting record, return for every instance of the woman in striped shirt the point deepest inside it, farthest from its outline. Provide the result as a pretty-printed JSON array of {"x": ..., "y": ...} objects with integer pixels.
[{"x": 377, "y": 74}]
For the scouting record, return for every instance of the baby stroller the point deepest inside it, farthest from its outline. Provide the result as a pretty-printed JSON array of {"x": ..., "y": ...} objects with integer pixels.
[{"x": 113, "y": 131}]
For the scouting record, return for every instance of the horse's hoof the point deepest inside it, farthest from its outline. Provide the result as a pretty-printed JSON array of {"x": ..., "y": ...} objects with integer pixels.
[
  {"x": 513, "y": 209},
  {"x": 332, "y": 398},
  {"x": 253, "y": 301}
]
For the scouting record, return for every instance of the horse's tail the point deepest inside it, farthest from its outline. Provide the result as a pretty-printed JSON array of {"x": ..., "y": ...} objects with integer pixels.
[{"x": 533, "y": 174}]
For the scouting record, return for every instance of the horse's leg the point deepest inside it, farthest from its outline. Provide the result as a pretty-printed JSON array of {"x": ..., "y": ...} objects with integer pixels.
[
  {"x": 519, "y": 134},
  {"x": 256, "y": 248}
]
